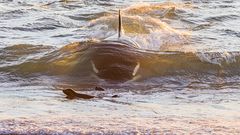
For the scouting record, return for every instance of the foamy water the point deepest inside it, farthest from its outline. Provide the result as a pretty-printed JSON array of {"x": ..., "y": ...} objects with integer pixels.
[{"x": 188, "y": 81}]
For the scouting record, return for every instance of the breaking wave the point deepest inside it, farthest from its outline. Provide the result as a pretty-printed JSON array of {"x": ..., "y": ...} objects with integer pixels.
[{"x": 75, "y": 60}]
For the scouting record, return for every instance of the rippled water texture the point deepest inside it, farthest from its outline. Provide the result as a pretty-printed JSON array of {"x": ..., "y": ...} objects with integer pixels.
[{"x": 179, "y": 74}]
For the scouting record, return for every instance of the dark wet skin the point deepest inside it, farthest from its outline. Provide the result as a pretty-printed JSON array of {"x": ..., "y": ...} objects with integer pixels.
[
  {"x": 115, "y": 96},
  {"x": 99, "y": 88},
  {"x": 114, "y": 61}
]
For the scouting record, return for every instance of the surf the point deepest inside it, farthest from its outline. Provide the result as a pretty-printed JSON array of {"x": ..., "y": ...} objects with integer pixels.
[{"x": 142, "y": 48}]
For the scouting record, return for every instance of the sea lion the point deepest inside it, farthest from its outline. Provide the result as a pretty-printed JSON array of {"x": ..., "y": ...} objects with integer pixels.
[{"x": 71, "y": 94}]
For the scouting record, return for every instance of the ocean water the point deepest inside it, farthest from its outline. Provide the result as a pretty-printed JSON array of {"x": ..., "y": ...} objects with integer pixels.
[{"x": 181, "y": 75}]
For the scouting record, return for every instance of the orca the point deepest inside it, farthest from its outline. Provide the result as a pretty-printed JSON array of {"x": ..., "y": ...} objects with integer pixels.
[{"x": 115, "y": 59}]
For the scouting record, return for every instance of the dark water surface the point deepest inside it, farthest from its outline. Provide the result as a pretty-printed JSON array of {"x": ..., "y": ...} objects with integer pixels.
[{"x": 187, "y": 53}]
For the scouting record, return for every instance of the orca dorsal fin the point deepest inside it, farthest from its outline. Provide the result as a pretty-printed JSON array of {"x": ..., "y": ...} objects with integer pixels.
[{"x": 119, "y": 24}]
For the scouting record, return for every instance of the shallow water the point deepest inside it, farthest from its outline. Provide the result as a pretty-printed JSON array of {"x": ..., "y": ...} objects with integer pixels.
[{"x": 188, "y": 80}]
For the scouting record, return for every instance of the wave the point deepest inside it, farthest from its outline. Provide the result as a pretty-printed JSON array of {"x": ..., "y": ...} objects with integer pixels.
[
  {"x": 115, "y": 61},
  {"x": 150, "y": 33},
  {"x": 161, "y": 49}
]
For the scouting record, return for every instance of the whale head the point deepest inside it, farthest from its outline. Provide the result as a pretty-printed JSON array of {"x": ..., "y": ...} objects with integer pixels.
[{"x": 114, "y": 61}]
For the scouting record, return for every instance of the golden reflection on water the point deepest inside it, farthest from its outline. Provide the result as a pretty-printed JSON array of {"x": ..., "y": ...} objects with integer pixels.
[{"x": 173, "y": 105}]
